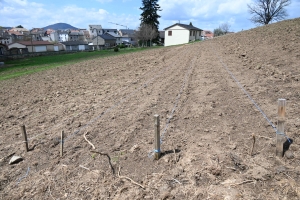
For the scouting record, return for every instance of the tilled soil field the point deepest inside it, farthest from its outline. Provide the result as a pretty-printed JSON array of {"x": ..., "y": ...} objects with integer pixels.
[{"x": 208, "y": 123}]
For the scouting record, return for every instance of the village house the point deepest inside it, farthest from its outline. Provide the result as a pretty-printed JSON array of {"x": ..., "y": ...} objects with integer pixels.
[
  {"x": 76, "y": 45},
  {"x": 33, "y": 46},
  {"x": 76, "y": 36},
  {"x": 127, "y": 36},
  {"x": 206, "y": 34},
  {"x": 95, "y": 30},
  {"x": 104, "y": 41},
  {"x": 3, "y": 49},
  {"x": 181, "y": 34},
  {"x": 117, "y": 37},
  {"x": 37, "y": 34},
  {"x": 59, "y": 36},
  {"x": 6, "y": 40}
]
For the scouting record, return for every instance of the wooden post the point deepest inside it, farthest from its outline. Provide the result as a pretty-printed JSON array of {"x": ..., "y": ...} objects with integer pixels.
[
  {"x": 156, "y": 137},
  {"x": 23, "y": 129},
  {"x": 62, "y": 143},
  {"x": 280, "y": 136}
]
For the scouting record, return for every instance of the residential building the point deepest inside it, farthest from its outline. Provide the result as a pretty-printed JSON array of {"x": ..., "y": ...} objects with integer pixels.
[
  {"x": 76, "y": 36},
  {"x": 36, "y": 34},
  {"x": 126, "y": 32},
  {"x": 103, "y": 41},
  {"x": 17, "y": 36},
  {"x": 206, "y": 34},
  {"x": 162, "y": 37},
  {"x": 108, "y": 30},
  {"x": 59, "y": 36},
  {"x": 117, "y": 37},
  {"x": 181, "y": 34},
  {"x": 21, "y": 30},
  {"x": 127, "y": 36},
  {"x": 6, "y": 40},
  {"x": 76, "y": 45},
  {"x": 3, "y": 49},
  {"x": 95, "y": 30},
  {"x": 33, "y": 46}
]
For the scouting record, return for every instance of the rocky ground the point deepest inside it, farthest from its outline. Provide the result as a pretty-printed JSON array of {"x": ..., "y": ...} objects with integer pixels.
[{"x": 207, "y": 121}]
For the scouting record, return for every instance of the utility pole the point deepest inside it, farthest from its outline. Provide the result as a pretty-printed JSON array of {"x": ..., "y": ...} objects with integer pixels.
[
  {"x": 97, "y": 37},
  {"x": 31, "y": 40}
]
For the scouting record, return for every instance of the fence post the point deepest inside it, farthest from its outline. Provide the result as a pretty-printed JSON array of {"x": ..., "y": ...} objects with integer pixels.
[
  {"x": 62, "y": 143},
  {"x": 156, "y": 137},
  {"x": 23, "y": 129},
  {"x": 280, "y": 136}
]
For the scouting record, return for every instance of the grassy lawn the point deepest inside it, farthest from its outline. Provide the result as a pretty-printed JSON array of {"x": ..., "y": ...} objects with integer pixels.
[{"x": 29, "y": 65}]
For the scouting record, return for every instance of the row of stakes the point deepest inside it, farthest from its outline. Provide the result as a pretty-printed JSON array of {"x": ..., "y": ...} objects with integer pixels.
[{"x": 280, "y": 136}]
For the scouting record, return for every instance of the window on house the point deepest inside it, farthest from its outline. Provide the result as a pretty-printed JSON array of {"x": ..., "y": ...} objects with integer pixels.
[
  {"x": 190, "y": 33},
  {"x": 169, "y": 33}
]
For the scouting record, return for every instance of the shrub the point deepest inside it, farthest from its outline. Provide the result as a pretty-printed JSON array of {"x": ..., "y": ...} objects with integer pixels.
[{"x": 116, "y": 49}]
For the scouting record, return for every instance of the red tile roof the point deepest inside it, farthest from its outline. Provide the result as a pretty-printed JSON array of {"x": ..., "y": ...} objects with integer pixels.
[
  {"x": 208, "y": 34},
  {"x": 15, "y": 32}
]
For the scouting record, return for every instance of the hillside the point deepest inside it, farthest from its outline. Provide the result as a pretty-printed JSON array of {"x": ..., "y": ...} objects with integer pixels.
[
  {"x": 60, "y": 26},
  {"x": 207, "y": 123}
]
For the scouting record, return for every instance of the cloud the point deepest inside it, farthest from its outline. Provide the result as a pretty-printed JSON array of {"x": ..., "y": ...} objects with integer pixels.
[
  {"x": 31, "y": 14},
  {"x": 104, "y": 1},
  {"x": 205, "y": 14}
]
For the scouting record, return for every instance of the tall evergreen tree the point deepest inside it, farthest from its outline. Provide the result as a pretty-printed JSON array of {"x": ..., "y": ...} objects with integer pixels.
[{"x": 149, "y": 15}]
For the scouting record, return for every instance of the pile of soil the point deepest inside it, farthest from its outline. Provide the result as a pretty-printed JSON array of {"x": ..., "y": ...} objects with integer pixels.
[{"x": 208, "y": 123}]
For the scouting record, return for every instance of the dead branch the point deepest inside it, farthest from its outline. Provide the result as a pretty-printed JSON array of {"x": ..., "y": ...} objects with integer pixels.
[
  {"x": 129, "y": 179},
  {"x": 251, "y": 152},
  {"x": 84, "y": 167},
  {"x": 109, "y": 160},
  {"x": 234, "y": 169},
  {"x": 264, "y": 137},
  {"x": 5, "y": 157},
  {"x": 175, "y": 156},
  {"x": 247, "y": 181},
  {"x": 84, "y": 135}
]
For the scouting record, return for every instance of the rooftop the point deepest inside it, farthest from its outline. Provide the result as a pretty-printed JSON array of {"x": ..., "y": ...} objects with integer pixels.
[{"x": 189, "y": 27}]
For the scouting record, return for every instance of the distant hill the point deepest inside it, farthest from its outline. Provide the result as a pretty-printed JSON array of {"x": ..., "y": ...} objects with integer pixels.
[
  {"x": 5, "y": 27},
  {"x": 59, "y": 26}
]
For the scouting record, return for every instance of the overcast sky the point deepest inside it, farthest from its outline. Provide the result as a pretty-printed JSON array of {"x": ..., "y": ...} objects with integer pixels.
[{"x": 204, "y": 14}]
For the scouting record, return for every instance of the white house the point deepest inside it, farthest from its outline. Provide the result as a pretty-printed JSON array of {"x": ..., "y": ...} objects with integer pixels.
[
  {"x": 95, "y": 30},
  {"x": 60, "y": 36},
  {"x": 181, "y": 34}
]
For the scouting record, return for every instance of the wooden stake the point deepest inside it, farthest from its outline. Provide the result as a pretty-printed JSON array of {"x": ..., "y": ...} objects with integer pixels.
[
  {"x": 23, "y": 129},
  {"x": 156, "y": 137},
  {"x": 280, "y": 136},
  {"x": 62, "y": 143}
]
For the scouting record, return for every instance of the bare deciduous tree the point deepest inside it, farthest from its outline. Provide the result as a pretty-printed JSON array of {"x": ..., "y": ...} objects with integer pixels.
[
  {"x": 265, "y": 11},
  {"x": 145, "y": 33},
  {"x": 225, "y": 28},
  {"x": 222, "y": 30}
]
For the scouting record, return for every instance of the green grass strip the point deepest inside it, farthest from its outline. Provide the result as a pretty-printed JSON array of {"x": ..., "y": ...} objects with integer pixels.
[{"x": 30, "y": 65}]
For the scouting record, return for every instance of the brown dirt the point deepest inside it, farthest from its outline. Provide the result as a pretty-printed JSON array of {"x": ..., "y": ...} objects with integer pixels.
[{"x": 206, "y": 148}]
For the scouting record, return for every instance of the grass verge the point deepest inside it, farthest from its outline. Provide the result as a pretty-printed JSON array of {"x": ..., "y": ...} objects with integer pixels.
[{"x": 30, "y": 65}]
